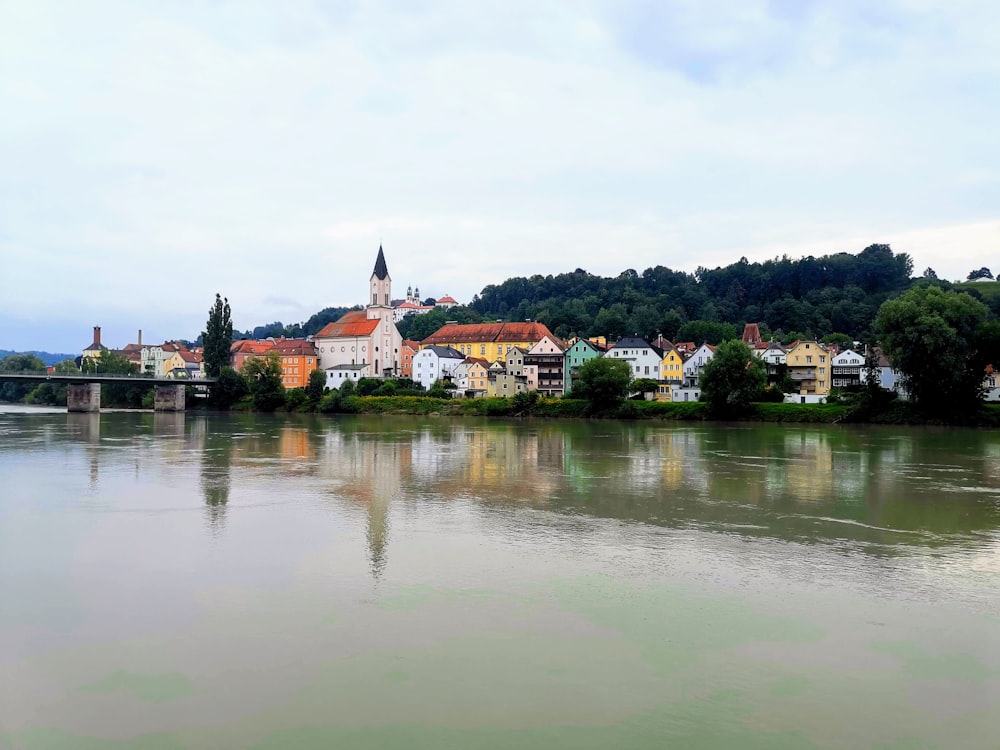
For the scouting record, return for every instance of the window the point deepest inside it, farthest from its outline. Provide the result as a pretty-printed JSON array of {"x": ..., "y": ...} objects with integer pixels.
[
  {"x": 809, "y": 360},
  {"x": 482, "y": 348}
]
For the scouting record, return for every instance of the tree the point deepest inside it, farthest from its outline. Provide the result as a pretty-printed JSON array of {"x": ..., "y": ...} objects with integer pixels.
[
  {"x": 732, "y": 379},
  {"x": 316, "y": 386},
  {"x": 929, "y": 336},
  {"x": 841, "y": 340},
  {"x": 229, "y": 389},
  {"x": 19, "y": 363},
  {"x": 603, "y": 381},
  {"x": 705, "y": 332},
  {"x": 930, "y": 273},
  {"x": 982, "y": 273},
  {"x": 263, "y": 376},
  {"x": 217, "y": 337},
  {"x": 644, "y": 385},
  {"x": 126, "y": 395}
]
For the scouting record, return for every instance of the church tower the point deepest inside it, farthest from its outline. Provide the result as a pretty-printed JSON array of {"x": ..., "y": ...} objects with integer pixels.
[
  {"x": 381, "y": 286},
  {"x": 386, "y": 341}
]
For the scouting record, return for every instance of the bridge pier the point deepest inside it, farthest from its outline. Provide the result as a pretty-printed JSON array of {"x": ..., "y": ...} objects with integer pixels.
[
  {"x": 83, "y": 397},
  {"x": 168, "y": 398}
]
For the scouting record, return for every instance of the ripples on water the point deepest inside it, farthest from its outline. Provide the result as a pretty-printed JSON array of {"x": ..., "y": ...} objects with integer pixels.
[{"x": 394, "y": 582}]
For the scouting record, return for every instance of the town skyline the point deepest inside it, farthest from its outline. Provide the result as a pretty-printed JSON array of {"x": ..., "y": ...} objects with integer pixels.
[{"x": 157, "y": 154}]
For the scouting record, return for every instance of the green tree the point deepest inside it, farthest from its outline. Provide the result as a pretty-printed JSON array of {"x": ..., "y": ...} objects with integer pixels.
[
  {"x": 263, "y": 376},
  {"x": 644, "y": 385},
  {"x": 217, "y": 337},
  {"x": 316, "y": 387},
  {"x": 229, "y": 389},
  {"x": 53, "y": 394},
  {"x": 705, "y": 332},
  {"x": 125, "y": 395},
  {"x": 19, "y": 363},
  {"x": 603, "y": 381},
  {"x": 733, "y": 379},
  {"x": 841, "y": 340},
  {"x": 929, "y": 336}
]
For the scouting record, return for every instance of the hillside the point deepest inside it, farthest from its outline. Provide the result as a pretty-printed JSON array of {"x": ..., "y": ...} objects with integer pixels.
[{"x": 47, "y": 357}]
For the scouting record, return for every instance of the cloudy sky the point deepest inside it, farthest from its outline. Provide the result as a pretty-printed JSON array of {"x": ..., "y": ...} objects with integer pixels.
[{"x": 154, "y": 153}]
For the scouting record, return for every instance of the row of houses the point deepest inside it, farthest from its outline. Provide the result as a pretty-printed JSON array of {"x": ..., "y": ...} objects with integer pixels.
[{"x": 506, "y": 358}]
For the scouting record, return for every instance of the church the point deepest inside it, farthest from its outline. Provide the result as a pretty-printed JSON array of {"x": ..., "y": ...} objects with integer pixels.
[{"x": 366, "y": 341}]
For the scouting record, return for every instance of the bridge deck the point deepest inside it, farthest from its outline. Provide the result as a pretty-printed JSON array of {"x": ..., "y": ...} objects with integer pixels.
[{"x": 90, "y": 377}]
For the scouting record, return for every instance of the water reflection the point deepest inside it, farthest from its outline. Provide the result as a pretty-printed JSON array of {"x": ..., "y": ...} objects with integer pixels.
[{"x": 886, "y": 490}]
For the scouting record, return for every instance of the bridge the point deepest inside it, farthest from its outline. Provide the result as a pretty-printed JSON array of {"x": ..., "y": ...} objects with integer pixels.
[{"x": 83, "y": 389}]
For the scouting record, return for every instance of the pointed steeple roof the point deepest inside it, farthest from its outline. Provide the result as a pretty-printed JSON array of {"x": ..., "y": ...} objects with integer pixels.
[{"x": 380, "y": 268}]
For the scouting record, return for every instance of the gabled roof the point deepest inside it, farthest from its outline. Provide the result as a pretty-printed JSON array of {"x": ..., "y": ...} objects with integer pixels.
[
  {"x": 190, "y": 357},
  {"x": 445, "y": 352},
  {"x": 634, "y": 342},
  {"x": 249, "y": 346},
  {"x": 351, "y": 324},
  {"x": 381, "y": 271},
  {"x": 446, "y": 299},
  {"x": 751, "y": 334},
  {"x": 414, "y": 345},
  {"x": 295, "y": 347},
  {"x": 488, "y": 332}
]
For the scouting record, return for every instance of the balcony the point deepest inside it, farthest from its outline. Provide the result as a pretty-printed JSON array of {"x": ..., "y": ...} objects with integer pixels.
[{"x": 803, "y": 375}]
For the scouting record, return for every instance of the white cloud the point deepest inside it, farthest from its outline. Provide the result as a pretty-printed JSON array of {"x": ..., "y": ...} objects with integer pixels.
[{"x": 264, "y": 150}]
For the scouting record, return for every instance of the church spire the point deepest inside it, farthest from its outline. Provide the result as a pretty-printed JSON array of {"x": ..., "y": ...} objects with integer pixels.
[{"x": 381, "y": 271}]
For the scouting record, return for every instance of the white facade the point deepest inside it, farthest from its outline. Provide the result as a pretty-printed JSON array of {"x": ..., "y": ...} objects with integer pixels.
[
  {"x": 335, "y": 376},
  {"x": 695, "y": 365},
  {"x": 848, "y": 369},
  {"x": 433, "y": 363},
  {"x": 644, "y": 360},
  {"x": 773, "y": 355}
]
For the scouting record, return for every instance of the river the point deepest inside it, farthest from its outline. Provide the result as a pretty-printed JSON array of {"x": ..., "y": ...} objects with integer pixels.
[{"x": 192, "y": 581}]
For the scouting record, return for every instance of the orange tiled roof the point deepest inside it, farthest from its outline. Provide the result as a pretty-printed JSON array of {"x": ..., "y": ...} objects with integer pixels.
[
  {"x": 249, "y": 346},
  {"x": 295, "y": 347},
  {"x": 414, "y": 345},
  {"x": 483, "y": 332},
  {"x": 192, "y": 357},
  {"x": 353, "y": 323}
]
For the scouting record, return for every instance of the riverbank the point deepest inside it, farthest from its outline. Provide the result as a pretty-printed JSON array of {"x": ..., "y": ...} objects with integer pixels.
[{"x": 691, "y": 411}]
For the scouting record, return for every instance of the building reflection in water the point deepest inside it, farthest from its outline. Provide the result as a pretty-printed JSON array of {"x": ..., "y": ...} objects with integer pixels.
[
  {"x": 367, "y": 470},
  {"x": 216, "y": 475},
  {"x": 86, "y": 428}
]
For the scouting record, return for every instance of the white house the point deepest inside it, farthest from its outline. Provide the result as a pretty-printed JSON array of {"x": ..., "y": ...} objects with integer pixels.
[
  {"x": 336, "y": 375},
  {"x": 435, "y": 362},
  {"x": 848, "y": 369},
  {"x": 644, "y": 358}
]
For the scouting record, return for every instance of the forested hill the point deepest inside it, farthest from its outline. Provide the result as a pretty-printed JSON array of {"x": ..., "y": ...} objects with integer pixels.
[
  {"x": 809, "y": 296},
  {"x": 49, "y": 358}
]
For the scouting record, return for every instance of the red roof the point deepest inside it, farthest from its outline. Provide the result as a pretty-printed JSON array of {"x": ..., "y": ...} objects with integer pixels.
[
  {"x": 414, "y": 345},
  {"x": 295, "y": 347},
  {"x": 448, "y": 299},
  {"x": 353, "y": 323},
  {"x": 192, "y": 357},
  {"x": 249, "y": 346},
  {"x": 483, "y": 332}
]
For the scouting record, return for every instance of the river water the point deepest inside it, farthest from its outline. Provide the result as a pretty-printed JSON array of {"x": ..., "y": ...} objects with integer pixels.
[{"x": 191, "y": 581}]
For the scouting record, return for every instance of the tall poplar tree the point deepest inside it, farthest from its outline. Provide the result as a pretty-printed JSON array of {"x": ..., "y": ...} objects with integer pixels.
[{"x": 217, "y": 337}]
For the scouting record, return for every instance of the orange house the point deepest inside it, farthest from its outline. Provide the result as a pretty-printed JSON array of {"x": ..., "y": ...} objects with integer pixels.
[
  {"x": 298, "y": 358},
  {"x": 406, "y": 358},
  {"x": 246, "y": 349}
]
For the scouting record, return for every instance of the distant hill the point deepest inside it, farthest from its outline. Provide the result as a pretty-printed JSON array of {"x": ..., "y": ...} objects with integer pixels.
[{"x": 47, "y": 357}]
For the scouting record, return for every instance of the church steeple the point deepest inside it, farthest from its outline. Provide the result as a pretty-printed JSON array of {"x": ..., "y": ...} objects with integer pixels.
[
  {"x": 380, "y": 284},
  {"x": 381, "y": 272}
]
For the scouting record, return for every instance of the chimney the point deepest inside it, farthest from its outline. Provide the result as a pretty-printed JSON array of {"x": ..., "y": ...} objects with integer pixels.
[
  {"x": 140, "y": 337},
  {"x": 97, "y": 334}
]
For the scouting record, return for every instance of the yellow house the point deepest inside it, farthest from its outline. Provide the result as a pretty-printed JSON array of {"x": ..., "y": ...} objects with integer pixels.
[
  {"x": 810, "y": 367},
  {"x": 489, "y": 341},
  {"x": 478, "y": 377}
]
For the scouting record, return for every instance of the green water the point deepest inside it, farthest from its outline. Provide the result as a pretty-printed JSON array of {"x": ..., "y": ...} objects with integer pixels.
[{"x": 172, "y": 581}]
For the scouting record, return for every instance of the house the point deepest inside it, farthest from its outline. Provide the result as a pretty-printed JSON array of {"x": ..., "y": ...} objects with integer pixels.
[
  {"x": 991, "y": 384},
  {"x": 471, "y": 377},
  {"x": 336, "y": 375},
  {"x": 505, "y": 384},
  {"x": 581, "y": 351},
  {"x": 809, "y": 367},
  {"x": 184, "y": 364},
  {"x": 406, "y": 352},
  {"x": 889, "y": 377},
  {"x": 95, "y": 348},
  {"x": 694, "y": 366},
  {"x": 366, "y": 336},
  {"x": 671, "y": 372},
  {"x": 245, "y": 349},
  {"x": 846, "y": 369},
  {"x": 545, "y": 364},
  {"x": 446, "y": 302},
  {"x": 644, "y": 359},
  {"x": 433, "y": 363},
  {"x": 298, "y": 360},
  {"x": 751, "y": 336},
  {"x": 774, "y": 358},
  {"x": 489, "y": 341}
]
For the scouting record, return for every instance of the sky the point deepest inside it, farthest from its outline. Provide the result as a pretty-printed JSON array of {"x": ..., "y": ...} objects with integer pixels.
[{"x": 155, "y": 153}]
